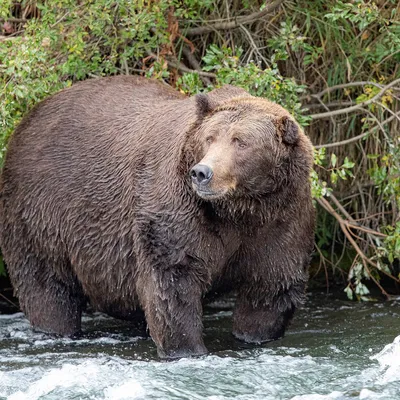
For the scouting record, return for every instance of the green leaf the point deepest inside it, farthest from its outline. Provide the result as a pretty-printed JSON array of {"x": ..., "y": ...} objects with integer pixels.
[
  {"x": 349, "y": 292},
  {"x": 333, "y": 160},
  {"x": 347, "y": 163},
  {"x": 334, "y": 177}
]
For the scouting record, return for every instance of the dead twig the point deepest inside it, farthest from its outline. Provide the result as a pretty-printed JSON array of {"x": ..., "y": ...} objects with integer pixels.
[
  {"x": 9, "y": 301},
  {"x": 248, "y": 34},
  {"x": 14, "y": 20},
  {"x": 323, "y": 261},
  {"x": 351, "y": 222},
  {"x": 345, "y": 225},
  {"x": 383, "y": 291},
  {"x": 183, "y": 68},
  {"x": 327, "y": 106},
  {"x": 357, "y": 106},
  {"x": 191, "y": 59},
  {"x": 341, "y": 86},
  {"x": 360, "y": 136},
  {"x": 244, "y": 20},
  {"x": 4, "y": 38}
]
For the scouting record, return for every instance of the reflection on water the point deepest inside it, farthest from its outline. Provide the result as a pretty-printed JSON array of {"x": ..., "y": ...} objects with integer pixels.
[{"x": 334, "y": 350}]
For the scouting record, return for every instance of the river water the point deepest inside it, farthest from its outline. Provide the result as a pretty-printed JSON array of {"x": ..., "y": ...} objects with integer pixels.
[{"x": 335, "y": 349}]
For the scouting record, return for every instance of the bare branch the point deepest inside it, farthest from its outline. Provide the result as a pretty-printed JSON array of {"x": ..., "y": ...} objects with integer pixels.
[
  {"x": 341, "y": 86},
  {"x": 195, "y": 65},
  {"x": 360, "y": 136},
  {"x": 248, "y": 34},
  {"x": 357, "y": 106},
  {"x": 344, "y": 227},
  {"x": 340, "y": 207},
  {"x": 15, "y": 20},
  {"x": 9, "y": 301},
  {"x": 4, "y": 38},
  {"x": 183, "y": 68},
  {"x": 178, "y": 65},
  {"x": 332, "y": 104},
  {"x": 384, "y": 292},
  {"x": 244, "y": 20},
  {"x": 350, "y": 222}
]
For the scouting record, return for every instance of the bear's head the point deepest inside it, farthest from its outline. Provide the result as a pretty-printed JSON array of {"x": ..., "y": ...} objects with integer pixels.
[{"x": 247, "y": 146}]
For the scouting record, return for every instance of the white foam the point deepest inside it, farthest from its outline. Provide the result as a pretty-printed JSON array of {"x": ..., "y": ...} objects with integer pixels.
[
  {"x": 21, "y": 378},
  {"x": 84, "y": 378},
  {"x": 66, "y": 376},
  {"x": 128, "y": 390},
  {"x": 314, "y": 396},
  {"x": 35, "y": 366},
  {"x": 389, "y": 360},
  {"x": 367, "y": 394},
  {"x": 98, "y": 316},
  {"x": 12, "y": 316}
]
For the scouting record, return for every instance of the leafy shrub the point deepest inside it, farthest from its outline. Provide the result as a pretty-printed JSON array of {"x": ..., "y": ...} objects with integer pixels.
[{"x": 316, "y": 59}]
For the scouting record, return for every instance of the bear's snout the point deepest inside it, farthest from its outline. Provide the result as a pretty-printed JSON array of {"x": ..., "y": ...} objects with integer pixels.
[{"x": 201, "y": 174}]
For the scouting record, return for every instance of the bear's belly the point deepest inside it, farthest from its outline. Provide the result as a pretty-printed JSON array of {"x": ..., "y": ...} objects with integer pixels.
[
  {"x": 119, "y": 302},
  {"x": 113, "y": 290},
  {"x": 122, "y": 310}
]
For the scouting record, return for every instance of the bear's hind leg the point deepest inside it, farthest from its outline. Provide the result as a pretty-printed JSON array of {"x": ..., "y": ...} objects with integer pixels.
[
  {"x": 50, "y": 304},
  {"x": 259, "y": 323},
  {"x": 259, "y": 318}
]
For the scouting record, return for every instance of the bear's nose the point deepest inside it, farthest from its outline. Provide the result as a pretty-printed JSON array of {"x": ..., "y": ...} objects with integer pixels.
[{"x": 201, "y": 174}]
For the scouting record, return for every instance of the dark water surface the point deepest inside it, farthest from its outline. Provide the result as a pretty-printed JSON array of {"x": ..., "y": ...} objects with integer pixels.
[{"x": 334, "y": 350}]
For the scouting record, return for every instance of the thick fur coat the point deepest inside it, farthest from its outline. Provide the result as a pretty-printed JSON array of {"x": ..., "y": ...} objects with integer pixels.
[{"x": 124, "y": 193}]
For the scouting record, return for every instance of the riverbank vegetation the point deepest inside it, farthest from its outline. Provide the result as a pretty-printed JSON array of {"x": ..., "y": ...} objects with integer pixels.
[{"x": 333, "y": 64}]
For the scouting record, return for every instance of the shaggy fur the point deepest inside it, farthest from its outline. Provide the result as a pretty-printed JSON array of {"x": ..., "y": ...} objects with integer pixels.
[{"x": 98, "y": 202}]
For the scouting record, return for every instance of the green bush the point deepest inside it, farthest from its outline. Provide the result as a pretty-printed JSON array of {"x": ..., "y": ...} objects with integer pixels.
[{"x": 315, "y": 58}]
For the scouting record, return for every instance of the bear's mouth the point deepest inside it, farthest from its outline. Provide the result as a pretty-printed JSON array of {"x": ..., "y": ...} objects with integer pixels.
[{"x": 207, "y": 194}]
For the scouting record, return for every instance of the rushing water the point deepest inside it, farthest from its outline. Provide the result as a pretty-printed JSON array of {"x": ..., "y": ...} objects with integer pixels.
[{"x": 334, "y": 350}]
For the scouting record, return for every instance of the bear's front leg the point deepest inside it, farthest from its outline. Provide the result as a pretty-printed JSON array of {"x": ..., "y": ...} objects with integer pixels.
[{"x": 173, "y": 308}]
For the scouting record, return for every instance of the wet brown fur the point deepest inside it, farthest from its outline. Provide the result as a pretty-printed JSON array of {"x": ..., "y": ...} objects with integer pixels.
[{"x": 96, "y": 204}]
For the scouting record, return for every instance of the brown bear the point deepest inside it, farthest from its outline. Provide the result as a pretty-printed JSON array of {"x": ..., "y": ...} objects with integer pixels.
[{"x": 125, "y": 193}]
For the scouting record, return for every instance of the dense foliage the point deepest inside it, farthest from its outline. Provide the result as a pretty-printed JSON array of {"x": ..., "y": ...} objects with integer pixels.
[{"x": 333, "y": 64}]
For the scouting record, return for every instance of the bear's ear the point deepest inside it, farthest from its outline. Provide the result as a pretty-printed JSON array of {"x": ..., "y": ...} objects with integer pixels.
[
  {"x": 290, "y": 131},
  {"x": 204, "y": 105}
]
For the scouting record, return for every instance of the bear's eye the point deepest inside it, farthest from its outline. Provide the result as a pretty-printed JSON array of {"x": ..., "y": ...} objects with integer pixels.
[
  {"x": 209, "y": 139},
  {"x": 239, "y": 143}
]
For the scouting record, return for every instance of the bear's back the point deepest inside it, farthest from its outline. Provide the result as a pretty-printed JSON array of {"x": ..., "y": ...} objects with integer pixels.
[{"x": 74, "y": 162}]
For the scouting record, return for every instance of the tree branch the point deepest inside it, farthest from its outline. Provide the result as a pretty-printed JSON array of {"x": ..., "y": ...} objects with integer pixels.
[
  {"x": 332, "y": 104},
  {"x": 183, "y": 68},
  {"x": 244, "y": 20},
  {"x": 344, "y": 227},
  {"x": 9, "y": 301},
  {"x": 15, "y": 20},
  {"x": 358, "y": 137},
  {"x": 248, "y": 34},
  {"x": 350, "y": 222},
  {"x": 341, "y": 86},
  {"x": 357, "y": 106},
  {"x": 4, "y": 38},
  {"x": 195, "y": 65}
]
